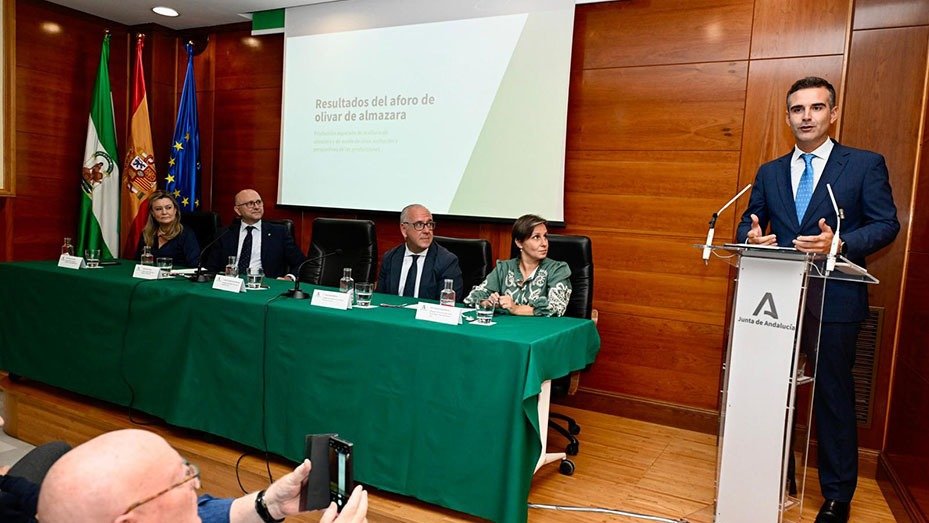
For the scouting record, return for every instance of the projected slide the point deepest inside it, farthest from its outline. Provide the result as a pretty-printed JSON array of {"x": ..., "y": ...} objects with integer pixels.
[{"x": 465, "y": 116}]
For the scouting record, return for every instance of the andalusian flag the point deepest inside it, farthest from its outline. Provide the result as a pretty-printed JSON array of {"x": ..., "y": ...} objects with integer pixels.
[
  {"x": 183, "y": 180},
  {"x": 98, "y": 226},
  {"x": 139, "y": 167}
]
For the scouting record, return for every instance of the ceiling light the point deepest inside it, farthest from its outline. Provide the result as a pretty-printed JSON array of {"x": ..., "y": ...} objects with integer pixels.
[{"x": 164, "y": 11}]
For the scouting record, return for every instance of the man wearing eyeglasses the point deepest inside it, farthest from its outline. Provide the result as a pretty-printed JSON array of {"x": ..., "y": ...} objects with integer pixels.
[
  {"x": 418, "y": 267},
  {"x": 135, "y": 476},
  {"x": 256, "y": 244}
]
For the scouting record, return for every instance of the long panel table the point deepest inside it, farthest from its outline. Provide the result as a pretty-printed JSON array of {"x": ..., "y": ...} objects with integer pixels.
[{"x": 447, "y": 414}]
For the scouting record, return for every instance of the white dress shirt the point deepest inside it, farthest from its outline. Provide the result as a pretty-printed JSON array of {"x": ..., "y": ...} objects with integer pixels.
[
  {"x": 255, "y": 261},
  {"x": 797, "y": 165},
  {"x": 405, "y": 269}
]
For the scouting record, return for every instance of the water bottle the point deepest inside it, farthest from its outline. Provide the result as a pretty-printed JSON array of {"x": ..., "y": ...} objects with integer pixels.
[
  {"x": 447, "y": 296},
  {"x": 347, "y": 284},
  {"x": 147, "y": 257},
  {"x": 67, "y": 248}
]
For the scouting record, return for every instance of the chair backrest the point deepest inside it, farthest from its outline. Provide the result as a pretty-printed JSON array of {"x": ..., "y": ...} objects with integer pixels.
[
  {"x": 474, "y": 257},
  {"x": 288, "y": 225},
  {"x": 357, "y": 240},
  {"x": 577, "y": 252},
  {"x": 205, "y": 224}
]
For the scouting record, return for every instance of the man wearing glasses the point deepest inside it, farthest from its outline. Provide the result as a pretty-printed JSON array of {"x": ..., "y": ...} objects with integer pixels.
[
  {"x": 418, "y": 267},
  {"x": 135, "y": 476},
  {"x": 254, "y": 243}
]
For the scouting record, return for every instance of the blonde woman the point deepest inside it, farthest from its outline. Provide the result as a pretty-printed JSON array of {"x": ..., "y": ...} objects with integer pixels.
[{"x": 164, "y": 233}]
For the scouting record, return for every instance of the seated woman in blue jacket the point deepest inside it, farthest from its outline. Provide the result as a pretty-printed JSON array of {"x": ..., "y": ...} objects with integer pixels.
[
  {"x": 530, "y": 284},
  {"x": 164, "y": 233}
]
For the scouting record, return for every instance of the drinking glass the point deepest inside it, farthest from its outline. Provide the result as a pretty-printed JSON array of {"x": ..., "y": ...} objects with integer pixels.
[
  {"x": 255, "y": 276},
  {"x": 232, "y": 267},
  {"x": 92, "y": 257},
  {"x": 485, "y": 312},
  {"x": 164, "y": 266},
  {"x": 363, "y": 292}
]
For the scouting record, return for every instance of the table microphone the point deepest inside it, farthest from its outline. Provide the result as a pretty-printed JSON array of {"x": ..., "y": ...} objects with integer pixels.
[
  {"x": 708, "y": 246},
  {"x": 296, "y": 293},
  {"x": 198, "y": 276}
]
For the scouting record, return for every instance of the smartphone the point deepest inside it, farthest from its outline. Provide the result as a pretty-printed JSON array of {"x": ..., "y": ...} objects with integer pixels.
[
  {"x": 341, "y": 477},
  {"x": 331, "y": 477}
]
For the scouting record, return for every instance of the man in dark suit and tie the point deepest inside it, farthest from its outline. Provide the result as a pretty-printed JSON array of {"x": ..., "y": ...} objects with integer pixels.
[
  {"x": 790, "y": 196},
  {"x": 418, "y": 267},
  {"x": 255, "y": 243}
]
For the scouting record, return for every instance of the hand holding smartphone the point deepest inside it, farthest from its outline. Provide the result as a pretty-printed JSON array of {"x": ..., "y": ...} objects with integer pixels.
[{"x": 331, "y": 476}]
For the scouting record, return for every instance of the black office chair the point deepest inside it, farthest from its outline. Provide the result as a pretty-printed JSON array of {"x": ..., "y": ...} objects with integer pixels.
[
  {"x": 205, "y": 224},
  {"x": 474, "y": 257},
  {"x": 288, "y": 224},
  {"x": 357, "y": 239},
  {"x": 577, "y": 252}
]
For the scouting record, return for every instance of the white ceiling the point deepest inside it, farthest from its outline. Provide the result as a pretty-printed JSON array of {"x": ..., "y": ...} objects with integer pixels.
[{"x": 193, "y": 13}]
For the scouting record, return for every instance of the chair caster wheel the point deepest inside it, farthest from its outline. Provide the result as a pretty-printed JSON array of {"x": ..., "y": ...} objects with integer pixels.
[
  {"x": 566, "y": 467},
  {"x": 572, "y": 448},
  {"x": 574, "y": 429}
]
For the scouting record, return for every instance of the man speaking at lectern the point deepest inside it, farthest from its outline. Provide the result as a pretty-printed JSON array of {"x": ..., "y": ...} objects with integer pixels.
[{"x": 790, "y": 196}]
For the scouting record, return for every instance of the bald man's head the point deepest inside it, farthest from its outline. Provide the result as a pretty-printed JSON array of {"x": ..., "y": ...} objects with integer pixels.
[{"x": 101, "y": 479}]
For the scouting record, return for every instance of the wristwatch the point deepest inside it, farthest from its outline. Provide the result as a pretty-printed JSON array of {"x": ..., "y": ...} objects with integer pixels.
[
  {"x": 843, "y": 249},
  {"x": 262, "y": 509}
]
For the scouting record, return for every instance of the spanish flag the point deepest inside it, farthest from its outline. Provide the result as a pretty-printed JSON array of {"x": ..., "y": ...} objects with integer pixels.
[{"x": 139, "y": 167}]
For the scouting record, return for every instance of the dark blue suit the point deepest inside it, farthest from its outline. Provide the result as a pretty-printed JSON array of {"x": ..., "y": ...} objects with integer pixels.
[
  {"x": 860, "y": 183},
  {"x": 279, "y": 252},
  {"x": 438, "y": 265}
]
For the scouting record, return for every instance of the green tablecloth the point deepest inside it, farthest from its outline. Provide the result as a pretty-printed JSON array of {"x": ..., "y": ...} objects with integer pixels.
[{"x": 443, "y": 413}]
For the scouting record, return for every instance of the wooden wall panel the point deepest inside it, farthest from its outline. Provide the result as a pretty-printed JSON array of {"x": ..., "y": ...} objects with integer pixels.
[
  {"x": 57, "y": 55},
  {"x": 874, "y": 14},
  {"x": 658, "y": 32},
  {"x": 658, "y": 359},
  {"x": 884, "y": 94},
  {"x": 676, "y": 107},
  {"x": 784, "y": 28}
]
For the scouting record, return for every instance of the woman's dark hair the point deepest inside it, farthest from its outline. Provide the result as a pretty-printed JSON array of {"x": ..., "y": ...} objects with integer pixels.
[{"x": 524, "y": 225}]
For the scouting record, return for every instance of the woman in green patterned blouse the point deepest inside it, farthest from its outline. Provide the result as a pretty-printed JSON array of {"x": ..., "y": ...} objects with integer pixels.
[{"x": 531, "y": 284}]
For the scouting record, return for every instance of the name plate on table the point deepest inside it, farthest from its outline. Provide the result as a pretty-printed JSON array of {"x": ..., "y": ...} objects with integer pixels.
[
  {"x": 331, "y": 299},
  {"x": 146, "y": 272},
  {"x": 439, "y": 313},
  {"x": 71, "y": 262},
  {"x": 228, "y": 283}
]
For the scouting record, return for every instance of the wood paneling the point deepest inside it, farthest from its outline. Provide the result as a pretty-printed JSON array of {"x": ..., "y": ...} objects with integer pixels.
[
  {"x": 884, "y": 94},
  {"x": 658, "y": 359},
  {"x": 674, "y": 107},
  {"x": 784, "y": 28},
  {"x": 58, "y": 52},
  {"x": 658, "y": 32},
  {"x": 874, "y": 14}
]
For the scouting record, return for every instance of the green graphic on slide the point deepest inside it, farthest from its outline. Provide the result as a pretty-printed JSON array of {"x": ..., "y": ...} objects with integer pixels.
[{"x": 488, "y": 183}]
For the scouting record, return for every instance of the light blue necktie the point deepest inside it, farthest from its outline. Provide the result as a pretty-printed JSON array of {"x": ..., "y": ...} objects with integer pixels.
[{"x": 805, "y": 189}]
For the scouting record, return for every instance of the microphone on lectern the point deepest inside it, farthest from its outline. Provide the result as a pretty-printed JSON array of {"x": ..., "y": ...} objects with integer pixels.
[
  {"x": 834, "y": 248},
  {"x": 296, "y": 293},
  {"x": 707, "y": 247}
]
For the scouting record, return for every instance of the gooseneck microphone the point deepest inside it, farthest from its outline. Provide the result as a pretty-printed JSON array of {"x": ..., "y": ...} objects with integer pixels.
[
  {"x": 199, "y": 276},
  {"x": 296, "y": 293},
  {"x": 707, "y": 247},
  {"x": 834, "y": 248}
]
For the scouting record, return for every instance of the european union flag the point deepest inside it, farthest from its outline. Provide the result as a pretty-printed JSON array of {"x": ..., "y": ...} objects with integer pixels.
[{"x": 183, "y": 180}]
